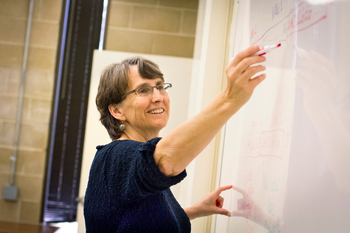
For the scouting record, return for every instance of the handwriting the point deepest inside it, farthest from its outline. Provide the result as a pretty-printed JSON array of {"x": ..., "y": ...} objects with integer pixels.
[
  {"x": 276, "y": 9},
  {"x": 298, "y": 19},
  {"x": 266, "y": 143}
]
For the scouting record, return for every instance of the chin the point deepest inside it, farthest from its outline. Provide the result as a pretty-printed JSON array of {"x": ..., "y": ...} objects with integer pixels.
[{"x": 160, "y": 125}]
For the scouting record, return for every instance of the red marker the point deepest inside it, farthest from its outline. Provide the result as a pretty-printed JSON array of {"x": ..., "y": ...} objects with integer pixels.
[
  {"x": 266, "y": 49},
  {"x": 217, "y": 203}
]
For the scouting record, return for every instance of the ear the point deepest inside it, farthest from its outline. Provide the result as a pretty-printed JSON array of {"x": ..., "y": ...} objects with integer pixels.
[{"x": 116, "y": 112}]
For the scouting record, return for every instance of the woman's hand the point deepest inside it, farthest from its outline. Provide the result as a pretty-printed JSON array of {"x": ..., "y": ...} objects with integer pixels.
[
  {"x": 176, "y": 150},
  {"x": 241, "y": 69},
  {"x": 248, "y": 208},
  {"x": 211, "y": 204}
]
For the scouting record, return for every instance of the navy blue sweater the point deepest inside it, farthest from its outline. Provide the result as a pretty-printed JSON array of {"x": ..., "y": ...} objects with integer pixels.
[{"x": 126, "y": 192}]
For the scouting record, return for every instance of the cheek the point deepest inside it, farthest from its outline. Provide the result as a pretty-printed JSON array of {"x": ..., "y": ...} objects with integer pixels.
[
  {"x": 139, "y": 105},
  {"x": 135, "y": 107},
  {"x": 167, "y": 102},
  {"x": 167, "y": 99}
]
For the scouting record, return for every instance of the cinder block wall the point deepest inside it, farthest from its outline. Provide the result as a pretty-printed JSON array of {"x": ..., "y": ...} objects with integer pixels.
[
  {"x": 36, "y": 104},
  {"x": 163, "y": 27}
]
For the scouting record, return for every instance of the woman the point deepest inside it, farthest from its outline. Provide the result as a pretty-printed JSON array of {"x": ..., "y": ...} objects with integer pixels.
[{"x": 128, "y": 189}]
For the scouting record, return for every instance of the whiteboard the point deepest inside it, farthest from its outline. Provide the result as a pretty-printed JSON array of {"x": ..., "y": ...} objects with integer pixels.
[{"x": 288, "y": 148}]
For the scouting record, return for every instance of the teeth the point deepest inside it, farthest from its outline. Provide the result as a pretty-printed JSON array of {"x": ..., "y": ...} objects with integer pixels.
[{"x": 157, "y": 111}]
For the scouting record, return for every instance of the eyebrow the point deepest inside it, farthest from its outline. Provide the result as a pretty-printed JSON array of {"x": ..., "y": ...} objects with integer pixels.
[{"x": 147, "y": 85}]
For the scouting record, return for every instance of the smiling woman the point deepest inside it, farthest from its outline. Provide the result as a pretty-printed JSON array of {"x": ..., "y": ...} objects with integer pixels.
[
  {"x": 143, "y": 112},
  {"x": 114, "y": 85},
  {"x": 130, "y": 178}
]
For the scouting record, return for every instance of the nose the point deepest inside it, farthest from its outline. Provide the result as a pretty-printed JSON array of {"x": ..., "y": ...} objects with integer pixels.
[{"x": 156, "y": 95}]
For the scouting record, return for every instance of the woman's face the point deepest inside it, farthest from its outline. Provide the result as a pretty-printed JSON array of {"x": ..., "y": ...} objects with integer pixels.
[{"x": 145, "y": 115}]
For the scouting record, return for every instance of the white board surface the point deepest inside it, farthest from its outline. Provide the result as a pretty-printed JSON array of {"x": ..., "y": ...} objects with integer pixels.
[{"x": 288, "y": 148}]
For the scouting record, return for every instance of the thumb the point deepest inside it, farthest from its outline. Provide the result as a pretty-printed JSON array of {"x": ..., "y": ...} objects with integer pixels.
[{"x": 224, "y": 212}]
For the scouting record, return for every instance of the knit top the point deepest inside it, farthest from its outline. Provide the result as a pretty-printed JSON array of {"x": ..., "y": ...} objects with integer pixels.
[{"x": 126, "y": 192}]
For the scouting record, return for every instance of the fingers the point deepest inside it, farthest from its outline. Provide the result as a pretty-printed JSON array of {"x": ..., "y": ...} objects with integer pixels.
[
  {"x": 240, "y": 84},
  {"x": 243, "y": 54},
  {"x": 246, "y": 66},
  {"x": 245, "y": 69},
  {"x": 243, "y": 60},
  {"x": 219, "y": 202},
  {"x": 219, "y": 209},
  {"x": 257, "y": 80},
  {"x": 221, "y": 189},
  {"x": 224, "y": 212},
  {"x": 252, "y": 70}
]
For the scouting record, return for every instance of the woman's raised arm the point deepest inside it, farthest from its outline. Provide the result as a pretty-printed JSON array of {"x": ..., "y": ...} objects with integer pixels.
[{"x": 176, "y": 150}]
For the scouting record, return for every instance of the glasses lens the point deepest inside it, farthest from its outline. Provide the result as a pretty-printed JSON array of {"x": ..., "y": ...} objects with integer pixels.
[
  {"x": 144, "y": 91},
  {"x": 160, "y": 88},
  {"x": 148, "y": 90}
]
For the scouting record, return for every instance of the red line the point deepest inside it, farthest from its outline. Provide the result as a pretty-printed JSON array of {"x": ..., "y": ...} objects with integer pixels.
[
  {"x": 258, "y": 40},
  {"x": 290, "y": 12},
  {"x": 323, "y": 17},
  {"x": 302, "y": 29},
  {"x": 299, "y": 5}
]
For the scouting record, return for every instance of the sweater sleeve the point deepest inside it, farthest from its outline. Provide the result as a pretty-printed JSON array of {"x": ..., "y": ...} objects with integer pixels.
[
  {"x": 150, "y": 173},
  {"x": 137, "y": 173}
]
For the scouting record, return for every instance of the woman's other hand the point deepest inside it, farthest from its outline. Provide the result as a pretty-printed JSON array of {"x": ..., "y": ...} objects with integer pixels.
[
  {"x": 212, "y": 203},
  {"x": 248, "y": 208},
  {"x": 241, "y": 69}
]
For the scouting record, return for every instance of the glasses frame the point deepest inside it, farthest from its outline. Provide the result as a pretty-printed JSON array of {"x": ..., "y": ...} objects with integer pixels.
[{"x": 166, "y": 87}]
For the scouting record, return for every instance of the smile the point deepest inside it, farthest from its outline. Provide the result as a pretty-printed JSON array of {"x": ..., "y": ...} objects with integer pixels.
[{"x": 156, "y": 111}]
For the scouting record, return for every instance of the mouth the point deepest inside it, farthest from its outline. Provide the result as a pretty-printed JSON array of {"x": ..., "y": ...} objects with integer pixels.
[{"x": 156, "y": 111}]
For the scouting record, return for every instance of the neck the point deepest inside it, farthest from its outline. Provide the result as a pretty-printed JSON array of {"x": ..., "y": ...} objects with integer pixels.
[{"x": 137, "y": 136}]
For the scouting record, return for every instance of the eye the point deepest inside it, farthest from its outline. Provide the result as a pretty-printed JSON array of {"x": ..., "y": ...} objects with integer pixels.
[
  {"x": 160, "y": 87},
  {"x": 143, "y": 90}
]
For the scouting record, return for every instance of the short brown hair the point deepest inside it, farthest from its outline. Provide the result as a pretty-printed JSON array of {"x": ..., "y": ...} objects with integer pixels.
[{"x": 113, "y": 85}]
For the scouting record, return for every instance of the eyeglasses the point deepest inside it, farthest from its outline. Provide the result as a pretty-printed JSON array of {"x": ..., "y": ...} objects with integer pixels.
[{"x": 146, "y": 91}]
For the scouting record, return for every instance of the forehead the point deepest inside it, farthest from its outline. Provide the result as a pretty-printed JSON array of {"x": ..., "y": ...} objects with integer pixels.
[{"x": 136, "y": 80}]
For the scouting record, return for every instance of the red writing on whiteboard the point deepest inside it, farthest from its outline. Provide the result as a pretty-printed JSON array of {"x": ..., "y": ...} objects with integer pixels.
[
  {"x": 253, "y": 32},
  {"x": 298, "y": 19},
  {"x": 267, "y": 144},
  {"x": 305, "y": 17},
  {"x": 302, "y": 17},
  {"x": 248, "y": 205}
]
